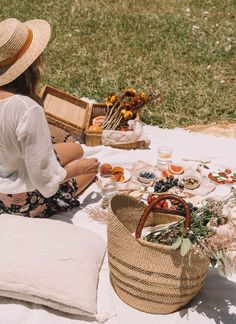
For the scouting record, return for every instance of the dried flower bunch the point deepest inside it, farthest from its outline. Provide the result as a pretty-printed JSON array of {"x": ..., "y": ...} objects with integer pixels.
[
  {"x": 212, "y": 231},
  {"x": 123, "y": 107}
]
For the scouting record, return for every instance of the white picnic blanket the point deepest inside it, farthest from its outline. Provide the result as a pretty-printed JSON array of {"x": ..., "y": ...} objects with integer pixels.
[{"x": 216, "y": 303}]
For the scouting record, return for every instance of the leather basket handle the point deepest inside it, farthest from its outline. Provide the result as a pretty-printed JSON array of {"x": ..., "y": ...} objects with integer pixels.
[{"x": 149, "y": 208}]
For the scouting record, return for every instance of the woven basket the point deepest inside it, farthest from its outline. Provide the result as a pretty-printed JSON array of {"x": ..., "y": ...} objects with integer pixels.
[
  {"x": 93, "y": 139},
  {"x": 148, "y": 276},
  {"x": 95, "y": 110},
  {"x": 59, "y": 135},
  {"x": 131, "y": 145},
  {"x": 65, "y": 111}
]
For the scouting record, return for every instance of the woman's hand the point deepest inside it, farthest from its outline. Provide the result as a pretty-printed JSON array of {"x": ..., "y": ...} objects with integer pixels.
[
  {"x": 80, "y": 167},
  {"x": 86, "y": 166}
]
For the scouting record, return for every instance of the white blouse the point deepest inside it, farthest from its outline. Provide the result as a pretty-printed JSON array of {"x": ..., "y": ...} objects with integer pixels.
[{"x": 27, "y": 159}]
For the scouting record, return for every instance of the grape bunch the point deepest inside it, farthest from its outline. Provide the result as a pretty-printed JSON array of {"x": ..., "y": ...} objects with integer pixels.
[
  {"x": 180, "y": 208},
  {"x": 164, "y": 185}
]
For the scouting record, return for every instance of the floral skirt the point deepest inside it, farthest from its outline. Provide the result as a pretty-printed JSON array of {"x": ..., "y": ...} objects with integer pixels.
[{"x": 33, "y": 204}]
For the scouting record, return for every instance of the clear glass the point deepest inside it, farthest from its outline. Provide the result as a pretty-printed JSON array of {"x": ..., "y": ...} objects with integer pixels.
[
  {"x": 164, "y": 156},
  {"x": 108, "y": 186}
]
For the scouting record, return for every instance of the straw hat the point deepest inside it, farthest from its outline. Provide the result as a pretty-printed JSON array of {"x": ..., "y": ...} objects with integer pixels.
[{"x": 20, "y": 45}]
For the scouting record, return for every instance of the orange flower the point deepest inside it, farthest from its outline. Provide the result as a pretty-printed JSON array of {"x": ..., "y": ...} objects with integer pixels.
[
  {"x": 113, "y": 98},
  {"x": 142, "y": 95}
]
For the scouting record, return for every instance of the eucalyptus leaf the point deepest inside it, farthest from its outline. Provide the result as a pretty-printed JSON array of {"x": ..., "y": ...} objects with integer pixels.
[
  {"x": 185, "y": 246},
  {"x": 177, "y": 243}
]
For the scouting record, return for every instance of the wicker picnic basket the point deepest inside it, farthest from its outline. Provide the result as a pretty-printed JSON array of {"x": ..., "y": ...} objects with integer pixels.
[
  {"x": 93, "y": 139},
  {"x": 148, "y": 276},
  {"x": 65, "y": 111},
  {"x": 95, "y": 110}
]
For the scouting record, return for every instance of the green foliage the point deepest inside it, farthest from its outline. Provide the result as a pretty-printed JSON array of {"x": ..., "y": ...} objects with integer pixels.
[{"x": 181, "y": 52}]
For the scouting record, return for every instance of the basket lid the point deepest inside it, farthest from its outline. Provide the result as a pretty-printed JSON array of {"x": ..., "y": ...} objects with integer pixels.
[{"x": 65, "y": 108}]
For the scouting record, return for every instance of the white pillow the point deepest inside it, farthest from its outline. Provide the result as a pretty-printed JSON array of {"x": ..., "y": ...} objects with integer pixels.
[{"x": 51, "y": 263}]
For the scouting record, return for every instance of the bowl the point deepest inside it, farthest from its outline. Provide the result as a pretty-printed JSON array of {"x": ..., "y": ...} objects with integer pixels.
[
  {"x": 190, "y": 182},
  {"x": 146, "y": 176}
]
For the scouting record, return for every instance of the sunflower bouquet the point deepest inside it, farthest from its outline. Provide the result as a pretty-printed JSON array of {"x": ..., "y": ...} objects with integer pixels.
[{"x": 123, "y": 107}]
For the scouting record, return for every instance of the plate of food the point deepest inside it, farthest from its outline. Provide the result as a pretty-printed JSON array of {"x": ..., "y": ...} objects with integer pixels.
[
  {"x": 118, "y": 173},
  {"x": 223, "y": 176},
  {"x": 191, "y": 182}
]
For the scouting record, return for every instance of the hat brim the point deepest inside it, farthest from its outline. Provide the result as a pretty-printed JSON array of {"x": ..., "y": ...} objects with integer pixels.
[{"x": 41, "y": 34}]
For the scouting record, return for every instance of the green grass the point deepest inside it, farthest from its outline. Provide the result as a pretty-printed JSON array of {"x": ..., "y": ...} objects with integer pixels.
[{"x": 181, "y": 52}]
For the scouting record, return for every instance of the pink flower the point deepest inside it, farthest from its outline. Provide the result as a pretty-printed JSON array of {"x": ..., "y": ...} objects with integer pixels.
[{"x": 225, "y": 232}]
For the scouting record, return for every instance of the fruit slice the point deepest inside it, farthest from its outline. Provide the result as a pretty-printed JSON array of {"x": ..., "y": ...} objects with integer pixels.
[
  {"x": 176, "y": 169},
  {"x": 165, "y": 173},
  {"x": 98, "y": 120}
]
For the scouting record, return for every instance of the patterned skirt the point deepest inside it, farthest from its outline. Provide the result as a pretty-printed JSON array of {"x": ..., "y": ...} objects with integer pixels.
[{"x": 33, "y": 204}]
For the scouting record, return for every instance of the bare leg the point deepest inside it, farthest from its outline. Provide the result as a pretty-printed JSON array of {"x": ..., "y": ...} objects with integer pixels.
[
  {"x": 83, "y": 181},
  {"x": 68, "y": 152}
]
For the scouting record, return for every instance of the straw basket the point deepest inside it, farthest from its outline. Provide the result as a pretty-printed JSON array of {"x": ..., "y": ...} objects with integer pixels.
[
  {"x": 93, "y": 139},
  {"x": 65, "y": 111},
  {"x": 148, "y": 276},
  {"x": 95, "y": 110}
]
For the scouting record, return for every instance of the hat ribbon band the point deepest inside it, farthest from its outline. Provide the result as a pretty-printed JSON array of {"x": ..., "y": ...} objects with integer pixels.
[{"x": 22, "y": 51}]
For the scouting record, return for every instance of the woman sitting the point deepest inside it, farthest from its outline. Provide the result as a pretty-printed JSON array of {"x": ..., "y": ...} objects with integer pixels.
[{"x": 36, "y": 177}]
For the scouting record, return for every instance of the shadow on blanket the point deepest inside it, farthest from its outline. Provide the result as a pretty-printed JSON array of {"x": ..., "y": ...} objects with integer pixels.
[
  {"x": 215, "y": 299},
  {"x": 92, "y": 198}
]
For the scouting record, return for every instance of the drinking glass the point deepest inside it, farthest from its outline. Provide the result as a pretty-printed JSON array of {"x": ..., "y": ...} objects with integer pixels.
[
  {"x": 108, "y": 186},
  {"x": 164, "y": 156}
]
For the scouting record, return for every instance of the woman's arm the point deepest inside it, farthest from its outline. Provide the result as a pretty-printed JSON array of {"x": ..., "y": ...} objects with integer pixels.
[{"x": 81, "y": 167}]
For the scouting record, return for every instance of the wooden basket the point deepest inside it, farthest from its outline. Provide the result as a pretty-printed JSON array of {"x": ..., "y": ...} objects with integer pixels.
[{"x": 65, "y": 111}]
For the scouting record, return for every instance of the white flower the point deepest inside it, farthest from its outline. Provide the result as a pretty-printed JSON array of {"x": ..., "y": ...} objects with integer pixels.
[
  {"x": 231, "y": 255},
  {"x": 225, "y": 232},
  {"x": 233, "y": 216},
  {"x": 226, "y": 211}
]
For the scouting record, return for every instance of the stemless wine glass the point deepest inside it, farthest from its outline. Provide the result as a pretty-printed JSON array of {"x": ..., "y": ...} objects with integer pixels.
[
  {"x": 164, "y": 156},
  {"x": 108, "y": 186}
]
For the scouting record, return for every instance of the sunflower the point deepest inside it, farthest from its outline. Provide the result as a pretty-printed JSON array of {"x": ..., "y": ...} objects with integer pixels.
[{"x": 130, "y": 92}]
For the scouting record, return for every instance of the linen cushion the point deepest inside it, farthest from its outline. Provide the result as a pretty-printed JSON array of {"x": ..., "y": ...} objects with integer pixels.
[{"x": 51, "y": 263}]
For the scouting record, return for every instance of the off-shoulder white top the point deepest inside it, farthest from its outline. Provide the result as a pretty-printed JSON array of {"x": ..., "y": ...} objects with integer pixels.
[{"x": 27, "y": 159}]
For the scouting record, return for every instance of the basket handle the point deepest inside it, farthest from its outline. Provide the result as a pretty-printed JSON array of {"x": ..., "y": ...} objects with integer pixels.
[{"x": 149, "y": 208}]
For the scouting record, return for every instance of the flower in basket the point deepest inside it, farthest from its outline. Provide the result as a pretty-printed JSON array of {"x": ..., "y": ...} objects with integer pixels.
[
  {"x": 122, "y": 108},
  {"x": 212, "y": 232}
]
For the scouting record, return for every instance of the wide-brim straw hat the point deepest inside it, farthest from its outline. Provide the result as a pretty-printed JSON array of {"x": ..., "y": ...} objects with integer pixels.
[{"x": 20, "y": 45}]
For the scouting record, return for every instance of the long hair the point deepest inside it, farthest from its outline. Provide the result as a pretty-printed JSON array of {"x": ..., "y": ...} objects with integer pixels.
[{"x": 27, "y": 83}]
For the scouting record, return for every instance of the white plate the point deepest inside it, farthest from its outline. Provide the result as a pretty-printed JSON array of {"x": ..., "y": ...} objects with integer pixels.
[
  {"x": 217, "y": 183},
  {"x": 222, "y": 184},
  {"x": 127, "y": 176}
]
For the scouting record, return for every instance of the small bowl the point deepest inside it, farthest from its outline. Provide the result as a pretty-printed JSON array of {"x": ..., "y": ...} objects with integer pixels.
[
  {"x": 190, "y": 182},
  {"x": 146, "y": 176}
]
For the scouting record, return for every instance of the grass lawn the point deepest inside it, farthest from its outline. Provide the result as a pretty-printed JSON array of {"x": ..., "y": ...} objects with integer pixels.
[{"x": 181, "y": 52}]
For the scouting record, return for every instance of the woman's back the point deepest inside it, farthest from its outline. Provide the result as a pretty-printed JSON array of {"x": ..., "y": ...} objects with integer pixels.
[{"x": 24, "y": 142}]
